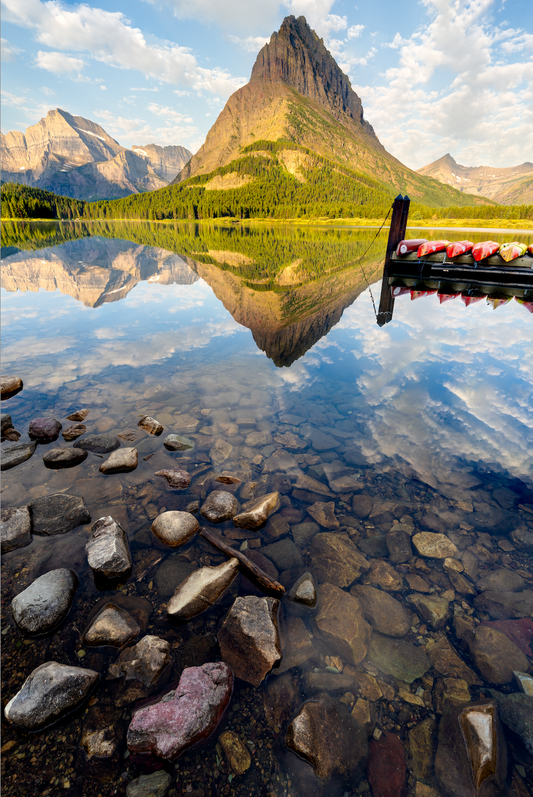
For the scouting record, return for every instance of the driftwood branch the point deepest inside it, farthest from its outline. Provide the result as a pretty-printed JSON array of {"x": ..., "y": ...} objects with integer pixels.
[{"x": 252, "y": 569}]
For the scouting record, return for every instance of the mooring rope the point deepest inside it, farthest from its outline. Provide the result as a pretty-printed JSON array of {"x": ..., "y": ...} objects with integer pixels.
[{"x": 366, "y": 252}]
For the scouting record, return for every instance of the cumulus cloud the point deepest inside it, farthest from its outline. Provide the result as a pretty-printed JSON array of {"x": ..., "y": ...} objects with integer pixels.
[
  {"x": 59, "y": 63},
  {"x": 175, "y": 127},
  {"x": 251, "y": 44}
]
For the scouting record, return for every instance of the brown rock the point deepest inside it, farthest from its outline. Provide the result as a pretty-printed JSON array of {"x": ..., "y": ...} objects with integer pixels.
[
  {"x": 495, "y": 656},
  {"x": 399, "y": 545},
  {"x": 367, "y": 686},
  {"x": 122, "y": 460},
  {"x": 296, "y": 644},
  {"x": 257, "y": 513},
  {"x": 364, "y": 714},
  {"x": 219, "y": 506},
  {"x": 340, "y": 622},
  {"x": 433, "y": 609},
  {"x": 111, "y": 626},
  {"x": 174, "y": 528},
  {"x": 383, "y": 575},
  {"x": 362, "y": 506},
  {"x": 436, "y": 546},
  {"x": 201, "y": 589},
  {"x": 417, "y": 583},
  {"x": 73, "y": 432},
  {"x": 450, "y": 693},
  {"x": 10, "y": 385},
  {"x": 150, "y": 425},
  {"x": 79, "y": 415},
  {"x": 382, "y": 611},
  {"x": 324, "y": 514},
  {"x": 249, "y": 638},
  {"x": 177, "y": 479},
  {"x": 220, "y": 451},
  {"x": 237, "y": 754},
  {"x": 145, "y": 668},
  {"x": 397, "y": 657},
  {"x": 448, "y": 663},
  {"x": 336, "y": 559},
  {"x": 324, "y": 734},
  {"x": 422, "y": 743},
  {"x": 505, "y": 605}
]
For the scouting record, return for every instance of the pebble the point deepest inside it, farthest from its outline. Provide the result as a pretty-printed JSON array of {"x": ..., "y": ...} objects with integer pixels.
[
  {"x": 79, "y": 415},
  {"x": 57, "y": 458},
  {"x": 201, "y": 589},
  {"x": 175, "y": 528},
  {"x": 219, "y": 506},
  {"x": 43, "y": 605},
  {"x": 176, "y": 442},
  {"x": 123, "y": 460},
  {"x": 435, "y": 546},
  {"x": 156, "y": 784},
  {"x": 73, "y": 432},
  {"x": 111, "y": 626},
  {"x": 107, "y": 550},
  {"x": 150, "y": 425},
  {"x": 257, "y": 512},
  {"x": 177, "y": 479},
  {"x": 237, "y": 754},
  {"x": 304, "y": 591}
]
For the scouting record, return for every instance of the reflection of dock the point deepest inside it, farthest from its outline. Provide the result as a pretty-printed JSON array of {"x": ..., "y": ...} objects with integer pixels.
[{"x": 492, "y": 277}]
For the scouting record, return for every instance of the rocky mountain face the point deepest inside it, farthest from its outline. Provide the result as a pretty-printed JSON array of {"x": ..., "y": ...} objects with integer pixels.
[
  {"x": 298, "y": 93},
  {"x": 508, "y": 186},
  {"x": 73, "y": 156}
]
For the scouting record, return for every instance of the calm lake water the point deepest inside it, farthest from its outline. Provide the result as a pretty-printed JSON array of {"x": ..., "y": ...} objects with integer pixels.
[{"x": 220, "y": 333}]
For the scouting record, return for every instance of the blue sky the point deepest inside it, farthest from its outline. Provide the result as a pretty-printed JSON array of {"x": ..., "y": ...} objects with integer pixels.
[{"x": 434, "y": 76}]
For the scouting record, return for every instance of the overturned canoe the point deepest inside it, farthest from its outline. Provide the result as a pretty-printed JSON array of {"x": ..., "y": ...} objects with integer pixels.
[
  {"x": 406, "y": 247},
  {"x": 484, "y": 249},
  {"x": 512, "y": 250},
  {"x": 458, "y": 248},
  {"x": 431, "y": 247}
]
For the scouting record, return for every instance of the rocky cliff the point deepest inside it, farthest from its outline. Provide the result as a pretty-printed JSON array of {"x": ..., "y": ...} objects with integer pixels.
[
  {"x": 73, "y": 156},
  {"x": 509, "y": 186}
]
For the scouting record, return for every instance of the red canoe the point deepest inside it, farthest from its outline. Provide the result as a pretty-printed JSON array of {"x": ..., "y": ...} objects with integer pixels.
[
  {"x": 430, "y": 247},
  {"x": 459, "y": 248},
  {"x": 406, "y": 247},
  {"x": 484, "y": 249},
  {"x": 471, "y": 299}
]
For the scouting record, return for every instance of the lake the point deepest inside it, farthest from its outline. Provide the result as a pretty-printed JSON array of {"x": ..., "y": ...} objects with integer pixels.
[{"x": 260, "y": 347}]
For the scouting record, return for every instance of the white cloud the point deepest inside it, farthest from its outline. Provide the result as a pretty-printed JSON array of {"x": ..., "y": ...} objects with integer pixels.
[
  {"x": 9, "y": 51},
  {"x": 109, "y": 37},
  {"x": 59, "y": 63},
  {"x": 355, "y": 31},
  {"x": 177, "y": 129},
  {"x": 13, "y": 99},
  {"x": 251, "y": 44}
]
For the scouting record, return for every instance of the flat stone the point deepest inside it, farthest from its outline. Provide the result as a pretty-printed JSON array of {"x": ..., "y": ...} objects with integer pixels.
[
  {"x": 375, "y": 546},
  {"x": 176, "y": 442},
  {"x": 123, "y": 460},
  {"x": 336, "y": 559},
  {"x": 57, "y": 458},
  {"x": 201, "y": 589},
  {"x": 383, "y": 575},
  {"x": 304, "y": 482},
  {"x": 5, "y": 423},
  {"x": 382, "y": 611},
  {"x": 43, "y": 605},
  {"x": 111, "y": 626},
  {"x": 445, "y": 659},
  {"x": 296, "y": 644},
  {"x": 45, "y": 430},
  {"x": 518, "y": 631},
  {"x": 9, "y": 385},
  {"x": 461, "y": 584},
  {"x": 150, "y": 425},
  {"x": 362, "y": 506},
  {"x": 237, "y": 754},
  {"x": 257, "y": 513},
  {"x": 281, "y": 460},
  {"x": 144, "y": 668},
  {"x": 303, "y": 533},
  {"x": 501, "y": 580},
  {"x": 397, "y": 657},
  {"x": 79, "y": 415},
  {"x": 15, "y": 528},
  {"x": 450, "y": 693},
  {"x": 156, "y": 784},
  {"x": 175, "y": 528},
  {"x": 170, "y": 574},
  {"x": 345, "y": 484},
  {"x": 291, "y": 441},
  {"x": 108, "y": 552},
  {"x": 321, "y": 441},
  {"x": 516, "y": 711},
  {"x": 98, "y": 443},
  {"x": 422, "y": 744},
  {"x": 16, "y": 455},
  {"x": 387, "y": 768},
  {"x": 255, "y": 439},
  {"x": 324, "y": 681},
  {"x": 50, "y": 692},
  {"x": 219, "y": 506},
  {"x": 523, "y": 538},
  {"x": 495, "y": 656},
  {"x": 58, "y": 514},
  {"x": 249, "y": 638},
  {"x": 506, "y": 498},
  {"x": 505, "y": 605},
  {"x": 177, "y": 479},
  {"x": 220, "y": 452},
  {"x": 185, "y": 715},
  {"x": 341, "y": 623},
  {"x": 304, "y": 591},
  {"x": 186, "y": 424},
  {"x": 435, "y": 546},
  {"x": 284, "y": 554},
  {"x": 324, "y": 514},
  {"x": 74, "y": 431},
  {"x": 399, "y": 546},
  {"x": 328, "y": 737},
  {"x": 433, "y": 609},
  {"x": 417, "y": 583},
  {"x": 277, "y": 527}
]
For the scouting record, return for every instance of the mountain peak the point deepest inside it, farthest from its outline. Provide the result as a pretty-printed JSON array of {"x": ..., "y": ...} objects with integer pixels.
[{"x": 298, "y": 57}]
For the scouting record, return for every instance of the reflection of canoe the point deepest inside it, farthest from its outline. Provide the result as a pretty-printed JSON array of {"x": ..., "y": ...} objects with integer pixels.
[
  {"x": 406, "y": 247},
  {"x": 471, "y": 299},
  {"x": 527, "y": 305},
  {"x": 512, "y": 250},
  {"x": 430, "y": 247},
  {"x": 398, "y": 291},
  {"x": 445, "y": 297},
  {"x": 496, "y": 301},
  {"x": 420, "y": 294},
  {"x": 530, "y": 249},
  {"x": 459, "y": 248},
  {"x": 484, "y": 249}
]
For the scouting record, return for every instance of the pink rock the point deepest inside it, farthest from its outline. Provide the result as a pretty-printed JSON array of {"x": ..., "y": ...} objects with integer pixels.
[
  {"x": 184, "y": 716},
  {"x": 387, "y": 772},
  {"x": 179, "y": 479},
  {"x": 45, "y": 429},
  {"x": 518, "y": 631}
]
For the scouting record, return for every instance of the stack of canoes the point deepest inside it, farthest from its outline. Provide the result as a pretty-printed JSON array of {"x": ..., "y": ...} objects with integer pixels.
[
  {"x": 493, "y": 301},
  {"x": 480, "y": 251}
]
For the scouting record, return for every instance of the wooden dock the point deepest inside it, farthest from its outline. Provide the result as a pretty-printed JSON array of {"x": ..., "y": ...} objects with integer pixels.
[{"x": 491, "y": 277}]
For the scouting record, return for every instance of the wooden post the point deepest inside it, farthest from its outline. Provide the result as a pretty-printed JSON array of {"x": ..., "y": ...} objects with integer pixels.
[{"x": 398, "y": 225}]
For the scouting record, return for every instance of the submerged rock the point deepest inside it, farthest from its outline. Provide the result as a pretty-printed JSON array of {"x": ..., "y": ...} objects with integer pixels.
[
  {"x": 201, "y": 589},
  {"x": 99, "y": 443},
  {"x": 432, "y": 545},
  {"x": 45, "y": 430},
  {"x": 219, "y": 506},
  {"x": 176, "y": 442},
  {"x": 327, "y": 736},
  {"x": 324, "y": 514},
  {"x": 505, "y": 605},
  {"x": 108, "y": 551},
  {"x": 57, "y": 458},
  {"x": 16, "y": 455},
  {"x": 111, "y": 626},
  {"x": 154, "y": 785},
  {"x": 58, "y": 514},
  {"x": 145, "y": 667},
  {"x": 175, "y": 528},
  {"x": 257, "y": 513},
  {"x": 387, "y": 768},
  {"x": 79, "y": 415},
  {"x": 48, "y": 693},
  {"x": 150, "y": 425},
  {"x": 43, "y": 605},
  {"x": 516, "y": 711},
  {"x": 304, "y": 591},
  {"x": 433, "y": 609},
  {"x": 397, "y": 657},
  {"x": 73, "y": 432},
  {"x": 15, "y": 528},
  {"x": 336, "y": 559},
  {"x": 494, "y": 655},
  {"x": 249, "y": 638},
  {"x": 341, "y": 623},
  {"x": 383, "y": 575},
  {"x": 237, "y": 754},
  {"x": 122, "y": 461},
  {"x": 9, "y": 385},
  {"x": 382, "y": 611},
  {"x": 178, "y": 479},
  {"x": 185, "y": 715},
  {"x": 220, "y": 452},
  {"x": 501, "y": 581}
]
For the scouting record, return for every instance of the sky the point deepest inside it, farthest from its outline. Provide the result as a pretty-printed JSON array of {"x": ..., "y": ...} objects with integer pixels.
[{"x": 434, "y": 76}]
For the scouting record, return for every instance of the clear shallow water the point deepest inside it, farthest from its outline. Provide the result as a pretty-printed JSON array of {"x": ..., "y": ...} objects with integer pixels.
[{"x": 259, "y": 330}]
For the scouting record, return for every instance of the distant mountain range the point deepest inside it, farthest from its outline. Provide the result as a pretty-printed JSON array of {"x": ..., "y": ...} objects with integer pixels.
[
  {"x": 508, "y": 186},
  {"x": 72, "y": 156}
]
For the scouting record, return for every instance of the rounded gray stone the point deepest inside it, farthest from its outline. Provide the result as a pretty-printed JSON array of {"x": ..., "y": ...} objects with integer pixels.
[
  {"x": 57, "y": 458},
  {"x": 154, "y": 785},
  {"x": 43, "y": 605},
  {"x": 174, "y": 528},
  {"x": 176, "y": 442},
  {"x": 17, "y": 454},
  {"x": 15, "y": 528},
  {"x": 219, "y": 506}
]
